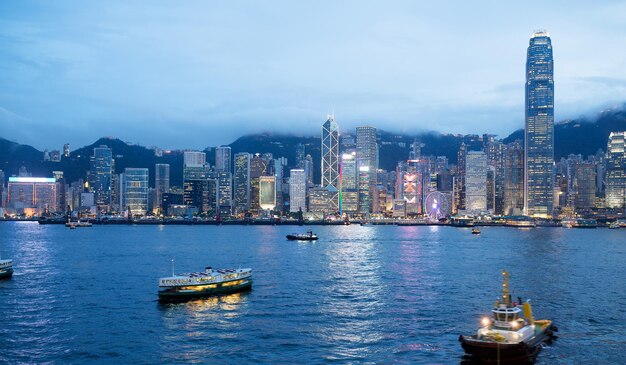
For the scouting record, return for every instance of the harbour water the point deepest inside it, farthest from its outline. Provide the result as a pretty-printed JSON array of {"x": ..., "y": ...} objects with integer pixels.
[{"x": 360, "y": 294}]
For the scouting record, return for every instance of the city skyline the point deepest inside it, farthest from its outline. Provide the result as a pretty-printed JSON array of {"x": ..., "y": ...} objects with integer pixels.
[{"x": 76, "y": 87}]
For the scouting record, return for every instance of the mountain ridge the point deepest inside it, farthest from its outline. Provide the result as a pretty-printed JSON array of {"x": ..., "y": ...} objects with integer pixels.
[{"x": 583, "y": 135}]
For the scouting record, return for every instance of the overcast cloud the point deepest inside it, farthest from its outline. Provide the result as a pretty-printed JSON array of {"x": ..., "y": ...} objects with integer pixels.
[{"x": 194, "y": 74}]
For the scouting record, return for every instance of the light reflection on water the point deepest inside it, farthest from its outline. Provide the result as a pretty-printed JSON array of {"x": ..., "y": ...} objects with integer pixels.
[{"x": 361, "y": 294}]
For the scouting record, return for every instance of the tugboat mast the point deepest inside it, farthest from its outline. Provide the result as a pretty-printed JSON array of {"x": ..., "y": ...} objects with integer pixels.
[{"x": 506, "y": 297}]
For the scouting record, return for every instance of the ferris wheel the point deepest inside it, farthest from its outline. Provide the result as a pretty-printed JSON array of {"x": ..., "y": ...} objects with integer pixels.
[{"x": 437, "y": 205}]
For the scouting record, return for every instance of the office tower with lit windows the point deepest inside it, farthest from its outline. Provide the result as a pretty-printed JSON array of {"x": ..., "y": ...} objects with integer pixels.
[
  {"x": 330, "y": 161},
  {"x": 476, "y": 181},
  {"x": 100, "y": 174},
  {"x": 267, "y": 192},
  {"x": 66, "y": 150},
  {"x": 616, "y": 170},
  {"x": 459, "y": 181},
  {"x": 348, "y": 193},
  {"x": 222, "y": 159},
  {"x": 135, "y": 191},
  {"x": 367, "y": 160},
  {"x": 539, "y": 128},
  {"x": 31, "y": 195},
  {"x": 258, "y": 168},
  {"x": 161, "y": 183},
  {"x": 195, "y": 166},
  {"x": 297, "y": 190},
  {"x": 224, "y": 190},
  {"x": 513, "y": 178},
  {"x": 241, "y": 183}
]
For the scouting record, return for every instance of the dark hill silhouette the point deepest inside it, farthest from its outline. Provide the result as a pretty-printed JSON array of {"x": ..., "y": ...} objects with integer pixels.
[{"x": 582, "y": 135}]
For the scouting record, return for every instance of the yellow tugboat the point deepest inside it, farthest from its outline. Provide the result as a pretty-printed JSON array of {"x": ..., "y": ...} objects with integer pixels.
[{"x": 508, "y": 337}]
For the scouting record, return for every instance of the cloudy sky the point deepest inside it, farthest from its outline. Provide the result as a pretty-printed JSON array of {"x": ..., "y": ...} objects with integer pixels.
[{"x": 194, "y": 74}]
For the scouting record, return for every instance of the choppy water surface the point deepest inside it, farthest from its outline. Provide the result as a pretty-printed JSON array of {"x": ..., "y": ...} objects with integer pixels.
[{"x": 361, "y": 294}]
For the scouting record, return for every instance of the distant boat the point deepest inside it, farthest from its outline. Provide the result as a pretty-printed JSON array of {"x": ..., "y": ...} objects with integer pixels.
[
  {"x": 6, "y": 268},
  {"x": 614, "y": 225},
  {"x": 210, "y": 282},
  {"x": 78, "y": 224},
  {"x": 308, "y": 236},
  {"x": 475, "y": 231}
]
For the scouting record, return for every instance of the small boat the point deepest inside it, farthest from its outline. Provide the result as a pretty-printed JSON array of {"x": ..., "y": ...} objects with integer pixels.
[
  {"x": 508, "y": 337},
  {"x": 475, "y": 231},
  {"x": 308, "y": 236},
  {"x": 210, "y": 282},
  {"x": 6, "y": 268},
  {"x": 614, "y": 225}
]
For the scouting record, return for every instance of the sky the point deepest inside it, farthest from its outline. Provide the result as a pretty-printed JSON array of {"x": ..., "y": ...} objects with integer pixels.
[{"x": 194, "y": 74}]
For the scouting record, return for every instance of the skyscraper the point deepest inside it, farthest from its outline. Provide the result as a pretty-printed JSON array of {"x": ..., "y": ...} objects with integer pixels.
[
  {"x": 100, "y": 174},
  {"x": 513, "y": 178},
  {"x": 242, "y": 182},
  {"x": 161, "y": 182},
  {"x": 258, "y": 168},
  {"x": 367, "y": 156},
  {"x": 539, "y": 129},
  {"x": 195, "y": 166},
  {"x": 330, "y": 160},
  {"x": 616, "y": 170},
  {"x": 476, "y": 181},
  {"x": 297, "y": 190},
  {"x": 224, "y": 193},
  {"x": 348, "y": 198},
  {"x": 222, "y": 159},
  {"x": 135, "y": 192}
]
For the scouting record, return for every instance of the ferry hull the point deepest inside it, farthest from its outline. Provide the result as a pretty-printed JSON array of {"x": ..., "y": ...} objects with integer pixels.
[
  {"x": 181, "y": 296},
  {"x": 6, "y": 274},
  {"x": 495, "y": 352}
]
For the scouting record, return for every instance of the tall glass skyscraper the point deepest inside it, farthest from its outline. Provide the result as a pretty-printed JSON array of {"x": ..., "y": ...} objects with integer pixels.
[
  {"x": 222, "y": 159},
  {"x": 161, "y": 182},
  {"x": 367, "y": 157},
  {"x": 330, "y": 160},
  {"x": 135, "y": 193},
  {"x": 616, "y": 170},
  {"x": 242, "y": 182},
  {"x": 100, "y": 173},
  {"x": 539, "y": 128}
]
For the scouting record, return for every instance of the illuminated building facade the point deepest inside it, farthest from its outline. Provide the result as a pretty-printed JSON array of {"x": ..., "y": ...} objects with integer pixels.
[
  {"x": 267, "y": 192},
  {"x": 135, "y": 192},
  {"x": 297, "y": 190},
  {"x": 31, "y": 195},
  {"x": 364, "y": 196},
  {"x": 241, "y": 183},
  {"x": 100, "y": 174},
  {"x": 513, "y": 178},
  {"x": 348, "y": 195},
  {"x": 224, "y": 188},
  {"x": 539, "y": 128},
  {"x": 367, "y": 157},
  {"x": 330, "y": 160},
  {"x": 476, "y": 181},
  {"x": 223, "y": 161},
  {"x": 161, "y": 182},
  {"x": 616, "y": 170}
]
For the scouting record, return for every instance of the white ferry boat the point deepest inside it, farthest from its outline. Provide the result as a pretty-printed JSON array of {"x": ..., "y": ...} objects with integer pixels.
[
  {"x": 209, "y": 282},
  {"x": 6, "y": 268}
]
